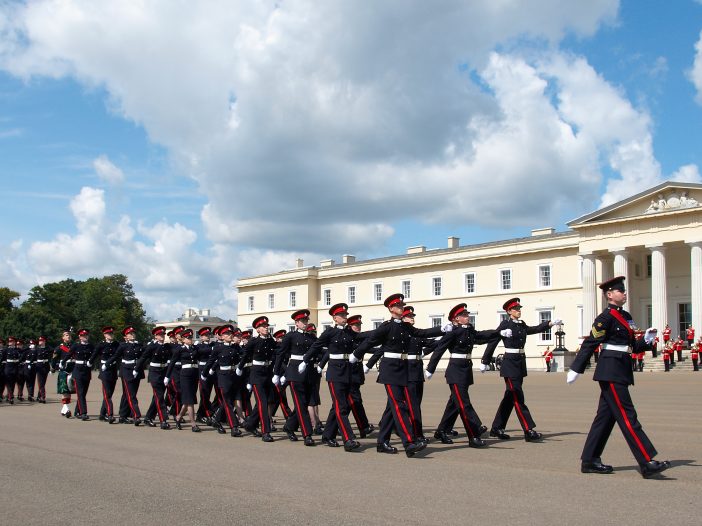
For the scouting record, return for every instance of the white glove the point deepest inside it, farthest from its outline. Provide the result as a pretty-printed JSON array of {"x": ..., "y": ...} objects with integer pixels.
[
  {"x": 211, "y": 372},
  {"x": 352, "y": 358},
  {"x": 365, "y": 369},
  {"x": 283, "y": 380},
  {"x": 302, "y": 367},
  {"x": 90, "y": 364},
  {"x": 447, "y": 328},
  {"x": 428, "y": 375},
  {"x": 650, "y": 335},
  {"x": 203, "y": 378},
  {"x": 276, "y": 379},
  {"x": 557, "y": 321},
  {"x": 319, "y": 369},
  {"x": 249, "y": 387},
  {"x": 572, "y": 376},
  {"x": 62, "y": 366},
  {"x": 238, "y": 371},
  {"x": 69, "y": 378},
  {"x": 103, "y": 368},
  {"x": 484, "y": 367},
  {"x": 135, "y": 373},
  {"x": 506, "y": 333},
  {"x": 166, "y": 381}
]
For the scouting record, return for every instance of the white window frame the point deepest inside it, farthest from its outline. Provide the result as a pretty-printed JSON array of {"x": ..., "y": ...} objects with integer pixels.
[
  {"x": 500, "y": 282},
  {"x": 355, "y": 294},
  {"x": 501, "y": 316},
  {"x": 472, "y": 317},
  {"x": 465, "y": 283},
  {"x": 433, "y": 286},
  {"x": 250, "y": 303},
  {"x": 326, "y": 301},
  {"x": 291, "y": 327},
  {"x": 292, "y": 298},
  {"x": 436, "y": 320},
  {"x": 378, "y": 294},
  {"x": 376, "y": 322},
  {"x": 408, "y": 293},
  {"x": 325, "y": 326},
  {"x": 543, "y": 339},
  {"x": 271, "y": 301},
  {"x": 539, "y": 284}
]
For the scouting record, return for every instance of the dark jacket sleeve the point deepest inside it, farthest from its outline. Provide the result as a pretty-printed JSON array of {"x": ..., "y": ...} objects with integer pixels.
[
  {"x": 281, "y": 352},
  {"x": 492, "y": 345},
  {"x": 376, "y": 337},
  {"x": 318, "y": 345},
  {"x": 446, "y": 342},
  {"x": 593, "y": 340}
]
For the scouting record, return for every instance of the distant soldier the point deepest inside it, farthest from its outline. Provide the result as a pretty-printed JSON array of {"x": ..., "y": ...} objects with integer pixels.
[
  {"x": 280, "y": 400},
  {"x": 2, "y": 370},
  {"x": 548, "y": 356},
  {"x": 690, "y": 336},
  {"x": 204, "y": 349},
  {"x": 223, "y": 360},
  {"x": 11, "y": 363},
  {"x": 679, "y": 345},
  {"x": 62, "y": 386},
  {"x": 667, "y": 351},
  {"x": 156, "y": 355},
  {"x": 666, "y": 333},
  {"x": 24, "y": 366},
  {"x": 80, "y": 353},
  {"x": 127, "y": 355},
  {"x": 43, "y": 357},
  {"x": 105, "y": 352},
  {"x": 30, "y": 369},
  {"x": 695, "y": 355}
]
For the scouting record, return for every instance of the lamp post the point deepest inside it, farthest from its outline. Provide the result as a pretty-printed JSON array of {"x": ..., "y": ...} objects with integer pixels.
[{"x": 562, "y": 358}]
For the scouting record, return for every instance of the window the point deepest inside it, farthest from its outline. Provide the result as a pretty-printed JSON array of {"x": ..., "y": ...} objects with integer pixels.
[
  {"x": 649, "y": 265},
  {"x": 293, "y": 298},
  {"x": 649, "y": 315},
  {"x": 376, "y": 323},
  {"x": 436, "y": 286},
  {"x": 378, "y": 291},
  {"x": 325, "y": 326},
  {"x": 684, "y": 318},
  {"x": 250, "y": 303},
  {"x": 291, "y": 327},
  {"x": 503, "y": 316},
  {"x": 406, "y": 289},
  {"x": 271, "y": 301},
  {"x": 471, "y": 319},
  {"x": 469, "y": 283},
  {"x": 352, "y": 295},
  {"x": 544, "y": 275},
  {"x": 545, "y": 315},
  {"x": 506, "y": 279},
  {"x": 436, "y": 321},
  {"x": 326, "y": 297}
]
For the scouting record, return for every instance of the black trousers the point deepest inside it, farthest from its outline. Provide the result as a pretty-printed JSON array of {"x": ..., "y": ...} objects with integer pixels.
[
  {"x": 396, "y": 416},
  {"x": 300, "y": 417},
  {"x": 10, "y": 378},
  {"x": 338, "y": 419},
  {"x": 20, "y": 379},
  {"x": 280, "y": 400},
  {"x": 206, "y": 407},
  {"x": 459, "y": 404},
  {"x": 81, "y": 379},
  {"x": 695, "y": 364},
  {"x": 615, "y": 405},
  {"x": 129, "y": 405},
  {"x": 259, "y": 413},
  {"x": 513, "y": 399},
  {"x": 174, "y": 393},
  {"x": 109, "y": 381},
  {"x": 31, "y": 375},
  {"x": 667, "y": 365},
  {"x": 414, "y": 392},
  {"x": 158, "y": 401},
  {"x": 226, "y": 389},
  {"x": 357, "y": 409},
  {"x": 42, "y": 373}
]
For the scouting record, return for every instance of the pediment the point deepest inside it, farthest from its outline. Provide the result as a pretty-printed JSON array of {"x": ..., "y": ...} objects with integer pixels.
[{"x": 668, "y": 197}]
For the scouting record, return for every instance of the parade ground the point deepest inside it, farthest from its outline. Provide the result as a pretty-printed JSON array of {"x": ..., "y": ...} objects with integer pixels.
[{"x": 59, "y": 471}]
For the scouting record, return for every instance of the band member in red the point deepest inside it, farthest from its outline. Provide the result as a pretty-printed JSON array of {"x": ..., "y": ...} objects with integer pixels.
[
  {"x": 690, "y": 336},
  {"x": 548, "y": 357}
]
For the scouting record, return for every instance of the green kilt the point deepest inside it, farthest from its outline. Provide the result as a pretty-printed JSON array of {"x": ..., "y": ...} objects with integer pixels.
[{"x": 62, "y": 386}]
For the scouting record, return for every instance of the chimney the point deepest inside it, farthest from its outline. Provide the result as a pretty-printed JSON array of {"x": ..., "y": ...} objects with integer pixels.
[
  {"x": 347, "y": 258},
  {"x": 326, "y": 263},
  {"x": 453, "y": 242},
  {"x": 416, "y": 250},
  {"x": 299, "y": 263},
  {"x": 542, "y": 231}
]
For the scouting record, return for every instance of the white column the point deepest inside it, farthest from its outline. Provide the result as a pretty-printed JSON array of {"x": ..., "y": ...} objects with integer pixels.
[
  {"x": 659, "y": 294},
  {"x": 696, "y": 286},
  {"x": 589, "y": 290},
  {"x": 621, "y": 263},
  {"x": 606, "y": 265}
]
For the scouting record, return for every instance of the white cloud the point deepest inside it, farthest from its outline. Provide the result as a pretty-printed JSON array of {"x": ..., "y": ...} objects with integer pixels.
[
  {"x": 695, "y": 73},
  {"x": 107, "y": 171}
]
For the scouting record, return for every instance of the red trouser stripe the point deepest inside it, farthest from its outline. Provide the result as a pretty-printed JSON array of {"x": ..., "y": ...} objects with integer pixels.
[
  {"x": 464, "y": 416},
  {"x": 628, "y": 424},
  {"x": 398, "y": 413},
  {"x": 204, "y": 402},
  {"x": 517, "y": 406},
  {"x": 299, "y": 410},
  {"x": 281, "y": 401},
  {"x": 107, "y": 402},
  {"x": 411, "y": 409},
  {"x": 338, "y": 412},
  {"x": 75, "y": 384},
  {"x": 226, "y": 408},
  {"x": 158, "y": 405},
  {"x": 129, "y": 398},
  {"x": 260, "y": 409},
  {"x": 354, "y": 411}
]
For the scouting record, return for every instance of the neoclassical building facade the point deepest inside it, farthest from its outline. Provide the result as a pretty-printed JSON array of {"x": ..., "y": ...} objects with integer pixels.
[{"x": 653, "y": 238}]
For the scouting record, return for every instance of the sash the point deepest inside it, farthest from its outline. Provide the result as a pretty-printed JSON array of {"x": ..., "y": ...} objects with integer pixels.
[{"x": 617, "y": 315}]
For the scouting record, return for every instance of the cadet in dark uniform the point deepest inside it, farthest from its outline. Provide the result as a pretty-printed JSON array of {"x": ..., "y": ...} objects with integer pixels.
[
  {"x": 513, "y": 332},
  {"x": 244, "y": 385},
  {"x": 289, "y": 355},
  {"x": 62, "y": 387},
  {"x": 109, "y": 366},
  {"x": 394, "y": 336},
  {"x": 43, "y": 357},
  {"x": 80, "y": 354},
  {"x": 280, "y": 400},
  {"x": 260, "y": 352},
  {"x": 614, "y": 329},
  {"x": 11, "y": 362},
  {"x": 358, "y": 378},
  {"x": 314, "y": 384},
  {"x": 339, "y": 340},
  {"x": 187, "y": 355},
  {"x": 459, "y": 375},
  {"x": 173, "y": 387},
  {"x": 22, "y": 370},
  {"x": 127, "y": 355},
  {"x": 156, "y": 355},
  {"x": 204, "y": 349},
  {"x": 2, "y": 369},
  {"x": 30, "y": 369},
  {"x": 223, "y": 360}
]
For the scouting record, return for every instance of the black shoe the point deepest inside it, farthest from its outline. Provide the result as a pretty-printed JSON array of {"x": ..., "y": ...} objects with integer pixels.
[
  {"x": 196, "y": 429},
  {"x": 330, "y": 442},
  {"x": 413, "y": 448},
  {"x": 476, "y": 442},
  {"x": 165, "y": 425},
  {"x": 596, "y": 466},
  {"x": 499, "y": 433},
  {"x": 30, "y": 399},
  {"x": 482, "y": 430},
  {"x": 12, "y": 402},
  {"x": 122, "y": 420},
  {"x": 201, "y": 419},
  {"x": 67, "y": 415},
  {"x": 137, "y": 422},
  {"x": 422, "y": 438},
  {"x": 318, "y": 430},
  {"x": 85, "y": 417},
  {"x": 366, "y": 431},
  {"x": 267, "y": 437},
  {"x": 384, "y": 447},
  {"x": 532, "y": 436},
  {"x": 255, "y": 432},
  {"x": 443, "y": 437},
  {"x": 309, "y": 441},
  {"x": 102, "y": 418},
  {"x": 350, "y": 445},
  {"x": 291, "y": 436},
  {"x": 653, "y": 467},
  {"x": 179, "y": 423},
  {"x": 111, "y": 420},
  {"x": 149, "y": 422},
  {"x": 235, "y": 432},
  {"x": 452, "y": 433}
]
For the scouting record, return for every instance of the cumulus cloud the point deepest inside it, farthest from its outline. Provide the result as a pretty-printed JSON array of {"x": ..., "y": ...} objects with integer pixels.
[
  {"x": 695, "y": 73},
  {"x": 107, "y": 171}
]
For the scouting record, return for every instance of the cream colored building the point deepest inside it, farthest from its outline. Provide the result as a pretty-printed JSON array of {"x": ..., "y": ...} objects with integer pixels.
[{"x": 654, "y": 238}]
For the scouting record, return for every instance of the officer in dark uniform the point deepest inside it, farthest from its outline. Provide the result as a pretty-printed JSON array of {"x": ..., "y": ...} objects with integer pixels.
[
  {"x": 204, "y": 349},
  {"x": 289, "y": 354},
  {"x": 30, "y": 369},
  {"x": 513, "y": 332},
  {"x": 260, "y": 352},
  {"x": 62, "y": 386},
  {"x": 23, "y": 369},
  {"x": 80, "y": 353},
  {"x": 459, "y": 375},
  {"x": 614, "y": 329},
  {"x": 188, "y": 356},
  {"x": 2, "y": 369},
  {"x": 244, "y": 386},
  {"x": 11, "y": 361},
  {"x": 223, "y": 360},
  {"x": 394, "y": 336},
  {"x": 105, "y": 351},
  {"x": 43, "y": 357},
  {"x": 314, "y": 384},
  {"x": 156, "y": 356},
  {"x": 280, "y": 399},
  {"x": 358, "y": 378},
  {"x": 127, "y": 355},
  {"x": 173, "y": 387}
]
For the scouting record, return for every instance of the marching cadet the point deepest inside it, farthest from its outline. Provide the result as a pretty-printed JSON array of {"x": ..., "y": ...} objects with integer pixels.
[
  {"x": 62, "y": 386},
  {"x": 314, "y": 384},
  {"x": 280, "y": 400},
  {"x": 157, "y": 354},
  {"x": 106, "y": 351},
  {"x": 127, "y": 355},
  {"x": 695, "y": 355},
  {"x": 2, "y": 369},
  {"x": 22, "y": 369},
  {"x": 666, "y": 333},
  {"x": 223, "y": 359},
  {"x": 459, "y": 375},
  {"x": 614, "y": 329},
  {"x": 30, "y": 369},
  {"x": 338, "y": 339},
  {"x": 394, "y": 336},
  {"x": 513, "y": 332},
  {"x": 187, "y": 355},
  {"x": 204, "y": 349},
  {"x": 174, "y": 385},
  {"x": 244, "y": 385},
  {"x": 358, "y": 378},
  {"x": 43, "y": 356},
  {"x": 80, "y": 353},
  {"x": 11, "y": 362},
  {"x": 293, "y": 347},
  {"x": 260, "y": 352}
]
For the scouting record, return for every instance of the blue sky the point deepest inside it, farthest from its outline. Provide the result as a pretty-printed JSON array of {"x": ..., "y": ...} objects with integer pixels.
[{"x": 186, "y": 144}]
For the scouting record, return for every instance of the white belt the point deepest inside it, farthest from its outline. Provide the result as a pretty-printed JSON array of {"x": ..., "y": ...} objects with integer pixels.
[
  {"x": 128, "y": 362},
  {"x": 514, "y": 351},
  {"x": 225, "y": 367},
  {"x": 42, "y": 361},
  {"x": 413, "y": 357},
  {"x": 248, "y": 364},
  {"x": 614, "y": 347},
  {"x": 338, "y": 356},
  {"x": 202, "y": 363},
  {"x": 178, "y": 364},
  {"x": 257, "y": 362},
  {"x": 12, "y": 361},
  {"x": 396, "y": 355},
  {"x": 299, "y": 357},
  {"x": 154, "y": 364},
  {"x": 188, "y": 366},
  {"x": 460, "y": 356},
  {"x": 27, "y": 361},
  {"x": 103, "y": 362},
  {"x": 80, "y": 362}
]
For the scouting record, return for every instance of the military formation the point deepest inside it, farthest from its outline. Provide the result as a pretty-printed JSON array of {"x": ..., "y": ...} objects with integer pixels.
[{"x": 243, "y": 378}]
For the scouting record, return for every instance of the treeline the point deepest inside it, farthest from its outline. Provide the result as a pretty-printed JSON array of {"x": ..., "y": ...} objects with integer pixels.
[{"x": 49, "y": 309}]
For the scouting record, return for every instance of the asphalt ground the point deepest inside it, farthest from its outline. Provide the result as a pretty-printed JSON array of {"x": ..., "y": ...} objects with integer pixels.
[{"x": 60, "y": 471}]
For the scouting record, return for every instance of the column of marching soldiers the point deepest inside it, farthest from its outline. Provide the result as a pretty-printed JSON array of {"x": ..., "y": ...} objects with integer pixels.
[{"x": 241, "y": 365}]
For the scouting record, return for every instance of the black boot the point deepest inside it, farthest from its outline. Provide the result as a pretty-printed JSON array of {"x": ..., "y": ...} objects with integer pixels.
[
  {"x": 384, "y": 447},
  {"x": 443, "y": 437}
]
